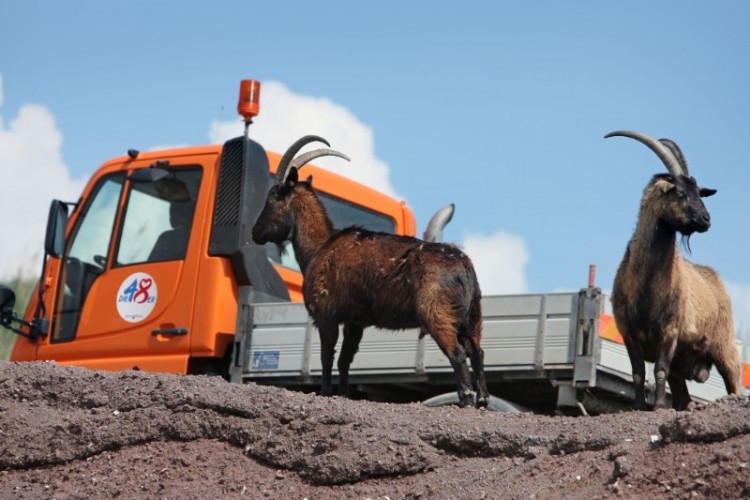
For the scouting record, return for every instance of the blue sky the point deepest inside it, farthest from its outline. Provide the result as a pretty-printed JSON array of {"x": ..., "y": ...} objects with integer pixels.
[{"x": 498, "y": 107}]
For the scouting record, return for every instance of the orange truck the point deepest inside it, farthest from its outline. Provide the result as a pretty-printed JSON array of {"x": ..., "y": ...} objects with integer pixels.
[
  {"x": 153, "y": 268},
  {"x": 145, "y": 270}
]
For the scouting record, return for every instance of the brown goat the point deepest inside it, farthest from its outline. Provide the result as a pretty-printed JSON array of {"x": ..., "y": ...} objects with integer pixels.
[
  {"x": 670, "y": 311},
  {"x": 362, "y": 278}
]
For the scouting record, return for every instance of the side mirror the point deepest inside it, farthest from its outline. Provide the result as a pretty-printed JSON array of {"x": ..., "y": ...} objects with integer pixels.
[
  {"x": 54, "y": 240},
  {"x": 7, "y": 302}
]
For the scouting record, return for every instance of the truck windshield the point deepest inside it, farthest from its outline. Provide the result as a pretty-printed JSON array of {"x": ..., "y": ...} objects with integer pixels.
[
  {"x": 343, "y": 214},
  {"x": 86, "y": 255}
]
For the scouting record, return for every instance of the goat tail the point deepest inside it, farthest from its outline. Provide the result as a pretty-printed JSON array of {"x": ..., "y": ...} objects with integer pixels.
[
  {"x": 474, "y": 320},
  {"x": 474, "y": 316}
]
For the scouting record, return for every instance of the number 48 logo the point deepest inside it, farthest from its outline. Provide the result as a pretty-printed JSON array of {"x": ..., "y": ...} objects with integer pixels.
[{"x": 136, "y": 297}]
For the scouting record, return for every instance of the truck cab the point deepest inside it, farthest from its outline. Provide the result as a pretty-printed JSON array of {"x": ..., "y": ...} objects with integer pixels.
[{"x": 147, "y": 269}]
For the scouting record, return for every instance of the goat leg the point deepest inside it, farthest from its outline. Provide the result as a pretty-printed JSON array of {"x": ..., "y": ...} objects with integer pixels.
[
  {"x": 350, "y": 346},
  {"x": 443, "y": 332},
  {"x": 680, "y": 395},
  {"x": 476, "y": 356},
  {"x": 666, "y": 350},
  {"x": 728, "y": 364},
  {"x": 329, "y": 335},
  {"x": 638, "y": 367},
  {"x": 463, "y": 379}
]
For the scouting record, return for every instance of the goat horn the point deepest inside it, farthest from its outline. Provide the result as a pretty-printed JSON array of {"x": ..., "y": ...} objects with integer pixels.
[
  {"x": 434, "y": 231},
  {"x": 293, "y": 150},
  {"x": 677, "y": 152},
  {"x": 664, "y": 153},
  {"x": 304, "y": 159}
]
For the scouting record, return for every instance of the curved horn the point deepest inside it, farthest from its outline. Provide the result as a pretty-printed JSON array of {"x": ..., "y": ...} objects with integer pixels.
[
  {"x": 677, "y": 152},
  {"x": 293, "y": 149},
  {"x": 304, "y": 159},
  {"x": 664, "y": 153},
  {"x": 441, "y": 218}
]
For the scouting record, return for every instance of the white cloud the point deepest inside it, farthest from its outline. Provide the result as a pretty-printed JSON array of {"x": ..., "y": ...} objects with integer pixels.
[
  {"x": 33, "y": 173},
  {"x": 740, "y": 295},
  {"x": 286, "y": 116},
  {"x": 500, "y": 260}
]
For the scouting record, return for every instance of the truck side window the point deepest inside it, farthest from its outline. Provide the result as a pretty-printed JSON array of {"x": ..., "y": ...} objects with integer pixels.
[
  {"x": 343, "y": 214},
  {"x": 86, "y": 254},
  {"x": 158, "y": 218}
]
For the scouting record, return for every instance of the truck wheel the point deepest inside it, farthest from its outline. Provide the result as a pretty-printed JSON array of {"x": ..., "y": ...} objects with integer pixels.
[
  {"x": 209, "y": 367},
  {"x": 212, "y": 371},
  {"x": 495, "y": 404}
]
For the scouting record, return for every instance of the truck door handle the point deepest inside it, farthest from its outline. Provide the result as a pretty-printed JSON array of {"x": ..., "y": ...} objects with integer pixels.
[{"x": 169, "y": 331}]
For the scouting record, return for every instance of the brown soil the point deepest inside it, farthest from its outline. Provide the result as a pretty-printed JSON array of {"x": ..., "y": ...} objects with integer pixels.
[{"x": 74, "y": 433}]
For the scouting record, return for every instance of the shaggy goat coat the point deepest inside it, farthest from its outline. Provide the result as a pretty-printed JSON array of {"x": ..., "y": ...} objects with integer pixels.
[
  {"x": 362, "y": 278},
  {"x": 660, "y": 298}
]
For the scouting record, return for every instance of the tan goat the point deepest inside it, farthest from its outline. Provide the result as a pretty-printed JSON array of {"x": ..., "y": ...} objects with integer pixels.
[{"x": 670, "y": 311}]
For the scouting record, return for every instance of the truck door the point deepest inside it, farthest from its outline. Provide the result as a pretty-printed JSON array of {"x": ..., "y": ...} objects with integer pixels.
[{"x": 125, "y": 295}]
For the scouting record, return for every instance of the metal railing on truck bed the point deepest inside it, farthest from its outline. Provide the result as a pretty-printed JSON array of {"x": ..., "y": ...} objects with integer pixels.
[{"x": 542, "y": 352}]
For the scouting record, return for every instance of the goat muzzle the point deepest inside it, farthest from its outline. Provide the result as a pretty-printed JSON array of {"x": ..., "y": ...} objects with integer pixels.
[{"x": 701, "y": 222}]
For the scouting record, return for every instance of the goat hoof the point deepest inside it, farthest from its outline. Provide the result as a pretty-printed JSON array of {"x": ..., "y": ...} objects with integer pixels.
[
  {"x": 465, "y": 399},
  {"x": 483, "y": 402},
  {"x": 662, "y": 405}
]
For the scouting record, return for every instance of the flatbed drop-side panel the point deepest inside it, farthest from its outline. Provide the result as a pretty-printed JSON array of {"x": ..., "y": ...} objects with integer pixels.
[
  {"x": 527, "y": 332},
  {"x": 285, "y": 344},
  {"x": 614, "y": 360},
  {"x": 520, "y": 333},
  {"x": 525, "y": 336},
  {"x": 277, "y": 340}
]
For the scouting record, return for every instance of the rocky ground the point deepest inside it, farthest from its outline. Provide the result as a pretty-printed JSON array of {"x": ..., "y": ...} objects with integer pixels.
[{"x": 74, "y": 433}]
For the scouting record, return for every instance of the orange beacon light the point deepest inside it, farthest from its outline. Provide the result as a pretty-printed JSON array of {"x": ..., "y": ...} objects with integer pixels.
[{"x": 248, "y": 105}]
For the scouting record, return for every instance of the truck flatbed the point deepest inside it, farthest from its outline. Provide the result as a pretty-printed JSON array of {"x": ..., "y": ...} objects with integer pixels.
[{"x": 543, "y": 352}]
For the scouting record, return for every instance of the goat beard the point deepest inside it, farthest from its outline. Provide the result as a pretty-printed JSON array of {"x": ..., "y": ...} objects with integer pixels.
[
  {"x": 685, "y": 243},
  {"x": 281, "y": 248}
]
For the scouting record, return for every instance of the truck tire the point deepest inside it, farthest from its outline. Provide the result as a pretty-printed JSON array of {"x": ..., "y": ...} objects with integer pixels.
[
  {"x": 495, "y": 404},
  {"x": 213, "y": 371},
  {"x": 211, "y": 367}
]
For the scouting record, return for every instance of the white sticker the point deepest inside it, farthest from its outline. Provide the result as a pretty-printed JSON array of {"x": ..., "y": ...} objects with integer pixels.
[{"x": 136, "y": 297}]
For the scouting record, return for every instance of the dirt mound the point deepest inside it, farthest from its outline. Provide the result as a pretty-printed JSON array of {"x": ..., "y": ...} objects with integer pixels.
[{"x": 75, "y": 433}]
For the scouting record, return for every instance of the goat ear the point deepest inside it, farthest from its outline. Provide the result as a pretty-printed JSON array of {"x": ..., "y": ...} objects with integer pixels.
[
  {"x": 309, "y": 180},
  {"x": 664, "y": 186},
  {"x": 291, "y": 178},
  {"x": 706, "y": 192}
]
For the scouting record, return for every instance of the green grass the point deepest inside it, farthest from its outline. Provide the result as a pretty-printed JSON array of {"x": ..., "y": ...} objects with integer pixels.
[{"x": 23, "y": 286}]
